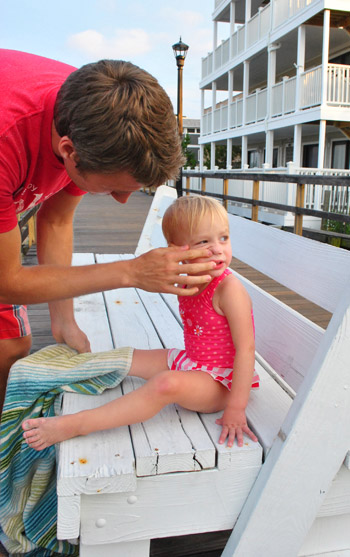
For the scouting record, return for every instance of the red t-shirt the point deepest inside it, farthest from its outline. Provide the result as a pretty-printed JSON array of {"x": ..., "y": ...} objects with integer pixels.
[{"x": 29, "y": 170}]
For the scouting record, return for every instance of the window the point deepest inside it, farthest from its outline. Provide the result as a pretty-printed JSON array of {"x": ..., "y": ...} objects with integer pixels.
[
  {"x": 310, "y": 156},
  {"x": 341, "y": 155},
  {"x": 253, "y": 159}
]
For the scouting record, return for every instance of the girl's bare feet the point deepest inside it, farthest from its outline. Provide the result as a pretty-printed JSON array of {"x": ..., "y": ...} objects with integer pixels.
[{"x": 40, "y": 433}]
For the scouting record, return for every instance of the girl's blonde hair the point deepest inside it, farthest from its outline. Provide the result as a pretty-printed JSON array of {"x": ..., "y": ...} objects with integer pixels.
[{"x": 185, "y": 213}]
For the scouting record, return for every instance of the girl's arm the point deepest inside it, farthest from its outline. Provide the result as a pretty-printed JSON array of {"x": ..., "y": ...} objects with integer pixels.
[{"x": 232, "y": 299}]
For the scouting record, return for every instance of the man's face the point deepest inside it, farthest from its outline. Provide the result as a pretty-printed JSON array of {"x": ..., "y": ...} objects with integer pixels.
[{"x": 120, "y": 185}]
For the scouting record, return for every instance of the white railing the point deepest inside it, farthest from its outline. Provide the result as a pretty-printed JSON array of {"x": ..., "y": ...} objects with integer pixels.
[
  {"x": 258, "y": 26},
  {"x": 338, "y": 85},
  {"x": 256, "y": 106},
  {"x": 286, "y": 9},
  {"x": 222, "y": 54},
  {"x": 284, "y": 97},
  {"x": 311, "y": 85}
]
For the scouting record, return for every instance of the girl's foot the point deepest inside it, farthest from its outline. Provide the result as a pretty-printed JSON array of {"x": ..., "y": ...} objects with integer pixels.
[{"x": 40, "y": 433}]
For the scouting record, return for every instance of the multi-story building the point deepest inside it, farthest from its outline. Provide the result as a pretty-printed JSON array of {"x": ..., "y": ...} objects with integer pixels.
[
  {"x": 191, "y": 127},
  {"x": 278, "y": 86}
]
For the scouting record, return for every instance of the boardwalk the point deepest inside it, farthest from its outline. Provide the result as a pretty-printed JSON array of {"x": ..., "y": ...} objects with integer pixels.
[{"x": 103, "y": 226}]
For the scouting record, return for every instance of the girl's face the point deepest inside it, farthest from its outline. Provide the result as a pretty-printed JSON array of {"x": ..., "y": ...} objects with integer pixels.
[{"x": 212, "y": 234}]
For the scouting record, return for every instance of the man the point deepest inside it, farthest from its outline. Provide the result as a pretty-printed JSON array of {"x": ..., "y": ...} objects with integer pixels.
[{"x": 106, "y": 128}]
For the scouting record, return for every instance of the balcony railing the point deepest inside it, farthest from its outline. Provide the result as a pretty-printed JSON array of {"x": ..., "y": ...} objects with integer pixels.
[
  {"x": 256, "y": 29},
  {"x": 284, "y": 98}
]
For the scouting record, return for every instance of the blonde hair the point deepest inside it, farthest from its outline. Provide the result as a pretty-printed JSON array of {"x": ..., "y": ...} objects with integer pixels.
[{"x": 185, "y": 213}]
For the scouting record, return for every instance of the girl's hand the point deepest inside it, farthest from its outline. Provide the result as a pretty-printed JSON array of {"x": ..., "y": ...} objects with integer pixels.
[{"x": 234, "y": 424}]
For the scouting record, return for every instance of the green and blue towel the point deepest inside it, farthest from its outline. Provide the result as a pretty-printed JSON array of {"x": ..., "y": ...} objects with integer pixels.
[{"x": 28, "y": 500}]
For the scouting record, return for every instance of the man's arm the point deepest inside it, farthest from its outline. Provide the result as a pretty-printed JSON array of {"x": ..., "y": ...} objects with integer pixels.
[
  {"x": 156, "y": 271},
  {"x": 55, "y": 247}
]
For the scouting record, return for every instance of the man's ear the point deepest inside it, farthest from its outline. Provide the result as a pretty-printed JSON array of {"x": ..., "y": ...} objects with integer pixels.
[{"x": 66, "y": 149}]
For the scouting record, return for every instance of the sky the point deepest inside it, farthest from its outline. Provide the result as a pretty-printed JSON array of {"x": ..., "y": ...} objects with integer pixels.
[{"x": 81, "y": 31}]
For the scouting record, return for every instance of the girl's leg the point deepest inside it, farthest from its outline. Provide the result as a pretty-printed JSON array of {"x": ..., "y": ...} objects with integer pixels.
[
  {"x": 194, "y": 390},
  {"x": 147, "y": 363}
]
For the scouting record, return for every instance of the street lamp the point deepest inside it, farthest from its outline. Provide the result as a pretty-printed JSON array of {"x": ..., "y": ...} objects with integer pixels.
[{"x": 180, "y": 50}]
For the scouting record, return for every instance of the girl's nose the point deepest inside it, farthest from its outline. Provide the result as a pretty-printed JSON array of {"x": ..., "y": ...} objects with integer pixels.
[{"x": 215, "y": 248}]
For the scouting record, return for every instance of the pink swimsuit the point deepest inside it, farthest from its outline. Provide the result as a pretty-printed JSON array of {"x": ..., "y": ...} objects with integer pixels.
[{"x": 208, "y": 340}]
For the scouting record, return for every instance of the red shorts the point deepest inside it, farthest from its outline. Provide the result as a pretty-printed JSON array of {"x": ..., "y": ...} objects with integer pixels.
[{"x": 14, "y": 321}]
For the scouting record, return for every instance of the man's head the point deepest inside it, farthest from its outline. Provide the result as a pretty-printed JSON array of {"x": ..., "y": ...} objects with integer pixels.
[{"x": 119, "y": 118}]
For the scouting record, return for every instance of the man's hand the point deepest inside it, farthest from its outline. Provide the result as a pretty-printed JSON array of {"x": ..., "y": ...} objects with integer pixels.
[
  {"x": 234, "y": 424},
  {"x": 162, "y": 270}
]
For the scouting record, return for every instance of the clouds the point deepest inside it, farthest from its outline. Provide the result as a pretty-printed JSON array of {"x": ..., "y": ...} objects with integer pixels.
[
  {"x": 123, "y": 44},
  {"x": 84, "y": 31}
]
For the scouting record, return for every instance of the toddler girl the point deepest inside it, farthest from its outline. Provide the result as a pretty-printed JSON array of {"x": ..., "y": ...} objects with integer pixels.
[{"x": 214, "y": 372}]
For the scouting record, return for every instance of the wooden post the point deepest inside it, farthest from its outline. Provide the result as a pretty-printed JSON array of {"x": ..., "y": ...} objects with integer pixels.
[
  {"x": 31, "y": 231},
  {"x": 298, "y": 219},
  {"x": 255, "y": 208},
  {"x": 203, "y": 183},
  {"x": 188, "y": 184},
  {"x": 326, "y": 205},
  {"x": 225, "y": 192}
]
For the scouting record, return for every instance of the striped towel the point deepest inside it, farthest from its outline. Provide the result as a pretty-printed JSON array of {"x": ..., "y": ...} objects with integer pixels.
[{"x": 28, "y": 501}]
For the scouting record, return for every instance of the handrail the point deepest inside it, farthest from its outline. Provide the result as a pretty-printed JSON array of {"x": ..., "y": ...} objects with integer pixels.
[{"x": 256, "y": 177}]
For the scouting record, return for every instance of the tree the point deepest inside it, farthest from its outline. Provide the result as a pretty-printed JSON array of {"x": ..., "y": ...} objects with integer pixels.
[{"x": 190, "y": 158}]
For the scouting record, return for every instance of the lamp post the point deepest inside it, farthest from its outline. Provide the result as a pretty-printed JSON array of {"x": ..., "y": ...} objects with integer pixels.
[{"x": 180, "y": 50}]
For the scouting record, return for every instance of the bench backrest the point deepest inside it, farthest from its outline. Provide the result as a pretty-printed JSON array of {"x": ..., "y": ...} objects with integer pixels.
[{"x": 285, "y": 340}]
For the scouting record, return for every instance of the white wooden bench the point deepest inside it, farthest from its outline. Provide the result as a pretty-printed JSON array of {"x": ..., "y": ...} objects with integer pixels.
[{"x": 287, "y": 495}]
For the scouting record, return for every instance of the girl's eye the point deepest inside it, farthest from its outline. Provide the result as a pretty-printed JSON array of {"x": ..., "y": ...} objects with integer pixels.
[
  {"x": 202, "y": 242},
  {"x": 224, "y": 238}
]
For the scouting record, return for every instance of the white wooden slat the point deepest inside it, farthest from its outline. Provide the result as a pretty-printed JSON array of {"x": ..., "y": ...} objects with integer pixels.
[
  {"x": 101, "y": 462},
  {"x": 169, "y": 505},
  {"x": 129, "y": 322},
  {"x": 90, "y": 312},
  {"x": 139, "y": 548},
  {"x": 68, "y": 517},
  {"x": 169, "y": 329},
  {"x": 167, "y": 444},
  {"x": 316, "y": 430},
  {"x": 328, "y": 537},
  {"x": 162, "y": 198},
  {"x": 267, "y": 408},
  {"x": 285, "y": 339},
  {"x": 317, "y": 271}
]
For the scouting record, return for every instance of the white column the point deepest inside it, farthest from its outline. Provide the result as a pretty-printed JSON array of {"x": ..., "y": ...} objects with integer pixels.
[
  {"x": 269, "y": 148},
  {"x": 246, "y": 64},
  {"x": 215, "y": 35},
  {"x": 230, "y": 92},
  {"x": 232, "y": 17},
  {"x": 300, "y": 65},
  {"x": 320, "y": 161},
  {"x": 297, "y": 145},
  {"x": 244, "y": 154},
  {"x": 229, "y": 154},
  {"x": 271, "y": 75},
  {"x": 212, "y": 155},
  {"x": 213, "y": 104},
  {"x": 248, "y": 11},
  {"x": 325, "y": 54}
]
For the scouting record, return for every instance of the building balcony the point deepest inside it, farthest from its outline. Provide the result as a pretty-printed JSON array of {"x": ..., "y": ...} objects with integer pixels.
[
  {"x": 284, "y": 99},
  {"x": 256, "y": 29}
]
